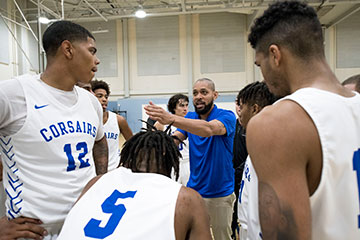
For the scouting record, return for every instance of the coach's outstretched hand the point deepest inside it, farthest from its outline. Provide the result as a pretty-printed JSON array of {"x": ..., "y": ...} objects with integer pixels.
[
  {"x": 159, "y": 114},
  {"x": 21, "y": 227}
]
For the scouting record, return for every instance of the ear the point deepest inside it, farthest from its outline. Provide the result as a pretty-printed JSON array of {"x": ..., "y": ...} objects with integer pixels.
[
  {"x": 67, "y": 49},
  {"x": 275, "y": 54},
  {"x": 216, "y": 94},
  {"x": 256, "y": 109}
]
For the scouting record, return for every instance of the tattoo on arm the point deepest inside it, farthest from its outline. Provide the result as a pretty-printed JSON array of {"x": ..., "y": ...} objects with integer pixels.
[
  {"x": 276, "y": 218},
  {"x": 100, "y": 153}
]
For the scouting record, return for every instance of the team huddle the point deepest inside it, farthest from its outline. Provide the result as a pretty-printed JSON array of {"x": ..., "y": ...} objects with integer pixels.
[{"x": 287, "y": 168}]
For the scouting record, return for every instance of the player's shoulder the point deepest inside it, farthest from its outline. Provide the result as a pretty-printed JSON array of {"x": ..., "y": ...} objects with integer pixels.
[
  {"x": 188, "y": 199},
  {"x": 282, "y": 121}
]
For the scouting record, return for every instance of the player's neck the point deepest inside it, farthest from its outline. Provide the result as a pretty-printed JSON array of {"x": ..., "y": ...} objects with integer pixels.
[
  {"x": 105, "y": 116},
  {"x": 316, "y": 74},
  {"x": 58, "y": 77}
]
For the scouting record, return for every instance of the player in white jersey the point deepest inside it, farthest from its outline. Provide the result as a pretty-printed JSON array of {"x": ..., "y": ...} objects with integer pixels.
[
  {"x": 139, "y": 200},
  {"x": 51, "y": 138},
  {"x": 178, "y": 105},
  {"x": 251, "y": 100},
  {"x": 114, "y": 124},
  {"x": 306, "y": 147}
]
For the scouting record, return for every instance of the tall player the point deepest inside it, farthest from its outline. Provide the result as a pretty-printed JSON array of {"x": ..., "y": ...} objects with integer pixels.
[
  {"x": 51, "y": 137},
  {"x": 306, "y": 147},
  {"x": 139, "y": 200},
  {"x": 178, "y": 105},
  {"x": 114, "y": 124}
]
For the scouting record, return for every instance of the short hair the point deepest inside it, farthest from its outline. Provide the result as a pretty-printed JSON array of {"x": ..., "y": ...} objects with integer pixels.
[
  {"x": 210, "y": 82},
  {"x": 174, "y": 100},
  {"x": 352, "y": 80},
  {"x": 292, "y": 24},
  {"x": 255, "y": 93},
  {"x": 60, "y": 31},
  {"x": 99, "y": 84},
  {"x": 155, "y": 149}
]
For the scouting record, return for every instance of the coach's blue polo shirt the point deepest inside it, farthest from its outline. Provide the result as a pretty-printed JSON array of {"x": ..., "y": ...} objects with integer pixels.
[{"x": 211, "y": 167}]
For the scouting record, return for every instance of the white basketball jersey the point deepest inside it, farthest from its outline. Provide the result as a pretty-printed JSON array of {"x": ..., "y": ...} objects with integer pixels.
[
  {"x": 112, "y": 133},
  {"x": 335, "y": 205},
  {"x": 248, "y": 211},
  {"x": 125, "y": 205},
  {"x": 49, "y": 160}
]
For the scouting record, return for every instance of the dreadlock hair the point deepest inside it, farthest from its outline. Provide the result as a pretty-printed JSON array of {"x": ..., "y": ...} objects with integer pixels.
[
  {"x": 290, "y": 24},
  {"x": 151, "y": 150},
  {"x": 99, "y": 84},
  {"x": 255, "y": 93},
  {"x": 174, "y": 100}
]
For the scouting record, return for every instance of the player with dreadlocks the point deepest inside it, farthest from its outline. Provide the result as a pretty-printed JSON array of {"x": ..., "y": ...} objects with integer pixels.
[
  {"x": 142, "y": 149},
  {"x": 142, "y": 200}
]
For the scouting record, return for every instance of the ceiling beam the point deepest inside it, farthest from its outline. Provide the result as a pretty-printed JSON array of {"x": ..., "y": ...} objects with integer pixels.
[
  {"x": 46, "y": 9},
  {"x": 343, "y": 16},
  {"x": 96, "y": 11}
]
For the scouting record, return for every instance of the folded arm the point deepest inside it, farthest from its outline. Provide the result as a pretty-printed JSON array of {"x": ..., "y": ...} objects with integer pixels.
[{"x": 100, "y": 153}]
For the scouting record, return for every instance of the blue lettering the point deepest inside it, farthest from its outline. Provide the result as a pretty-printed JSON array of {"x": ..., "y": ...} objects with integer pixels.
[
  {"x": 112, "y": 136},
  {"x": 54, "y": 131},
  {"x": 78, "y": 128},
  {"x": 89, "y": 127},
  {"x": 116, "y": 135},
  {"x": 43, "y": 134},
  {"x": 84, "y": 127},
  {"x": 94, "y": 131},
  {"x": 70, "y": 126},
  {"x": 62, "y": 128}
]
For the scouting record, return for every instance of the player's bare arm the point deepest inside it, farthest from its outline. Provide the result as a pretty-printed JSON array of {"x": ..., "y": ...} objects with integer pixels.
[
  {"x": 191, "y": 218},
  {"x": 159, "y": 126},
  {"x": 124, "y": 127},
  {"x": 282, "y": 142},
  {"x": 194, "y": 126},
  {"x": 100, "y": 153},
  {"x": 21, "y": 227},
  {"x": 180, "y": 136}
]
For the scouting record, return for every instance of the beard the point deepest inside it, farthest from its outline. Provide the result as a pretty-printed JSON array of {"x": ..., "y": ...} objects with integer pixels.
[{"x": 205, "y": 110}]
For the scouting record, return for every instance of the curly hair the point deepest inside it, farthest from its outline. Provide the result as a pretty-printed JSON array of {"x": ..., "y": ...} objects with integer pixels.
[
  {"x": 60, "y": 31},
  {"x": 353, "y": 80},
  {"x": 99, "y": 84},
  {"x": 174, "y": 100},
  {"x": 151, "y": 151},
  {"x": 255, "y": 93},
  {"x": 291, "y": 24}
]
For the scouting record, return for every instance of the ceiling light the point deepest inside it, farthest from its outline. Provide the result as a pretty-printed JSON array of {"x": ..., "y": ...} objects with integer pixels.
[
  {"x": 140, "y": 13},
  {"x": 44, "y": 20}
]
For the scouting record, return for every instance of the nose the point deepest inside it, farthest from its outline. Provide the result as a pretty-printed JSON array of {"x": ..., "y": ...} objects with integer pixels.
[{"x": 97, "y": 61}]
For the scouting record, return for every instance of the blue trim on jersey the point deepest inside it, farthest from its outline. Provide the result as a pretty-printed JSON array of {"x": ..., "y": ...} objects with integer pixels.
[
  {"x": 15, "y": 190},
  {"x": 211, "y": 167}
]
